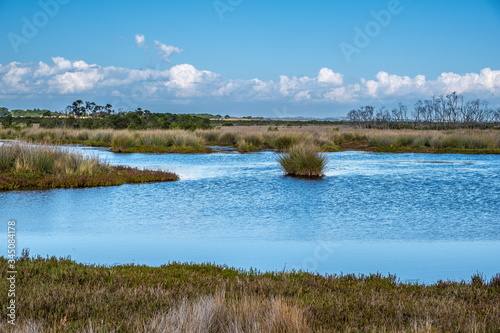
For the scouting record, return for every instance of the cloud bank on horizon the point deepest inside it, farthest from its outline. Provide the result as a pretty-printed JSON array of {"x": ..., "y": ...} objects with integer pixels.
[
  {"x": 65, "y": 77},
  {"x": 185, "y": 84}
]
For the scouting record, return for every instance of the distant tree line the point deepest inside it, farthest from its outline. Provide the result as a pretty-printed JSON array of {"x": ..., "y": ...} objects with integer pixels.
[
  {"x": 440, "y": 111},
  {"x": 4, "y": 112},
  {"x": 89, "y": 115}
]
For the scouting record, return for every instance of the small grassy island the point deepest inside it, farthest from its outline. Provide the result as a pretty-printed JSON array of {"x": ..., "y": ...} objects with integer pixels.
[
  {"x": 303, "y": 161},
  {"x": 40, "y": 167},
  {"x": 60, "y": 295}
]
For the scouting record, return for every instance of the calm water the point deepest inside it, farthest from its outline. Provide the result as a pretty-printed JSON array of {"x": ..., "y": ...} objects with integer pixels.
[{"x": 422, "y": 217}]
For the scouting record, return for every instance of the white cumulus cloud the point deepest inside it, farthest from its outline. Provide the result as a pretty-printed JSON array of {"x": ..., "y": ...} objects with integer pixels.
[
  {"x": 165, "y": 51},
  {"x": 487, "y": 79},
  {"x": 329, "y": 76},
  {"x": 140, "y": 41},
  {"x": 394, "y": 85}
]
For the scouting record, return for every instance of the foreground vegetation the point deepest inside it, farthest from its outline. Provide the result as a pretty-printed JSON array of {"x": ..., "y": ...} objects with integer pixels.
[
  {"x": 61, "y": 295},
  {"x": 248, "y": 139},
  {"x": 303, "y": 161},
  {"x": 32, "y": 167}
]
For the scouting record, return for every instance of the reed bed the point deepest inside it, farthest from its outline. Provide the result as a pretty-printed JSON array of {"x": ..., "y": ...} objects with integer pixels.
[
  {"x": 247, "y": 139},
  {"x": 59, "y": 295},
  {"x": 303, "y": 161},
  {"x": 40, "y": 166}
]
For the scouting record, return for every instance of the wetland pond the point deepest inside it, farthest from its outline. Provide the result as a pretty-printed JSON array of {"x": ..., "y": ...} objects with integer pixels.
[{"x": 423, "y": 217}]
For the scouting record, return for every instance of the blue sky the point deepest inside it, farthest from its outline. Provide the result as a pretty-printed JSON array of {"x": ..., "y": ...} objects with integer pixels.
[{"x": 269, "y": 58}]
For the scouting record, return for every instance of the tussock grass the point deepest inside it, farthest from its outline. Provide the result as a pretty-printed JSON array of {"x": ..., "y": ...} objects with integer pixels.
[
  {"x": 245, "y": 147},
  {"x": 227, "y": 138},
  {"x": 282, "y": 142},
  {"x": 330, "y": 148},
  {"x": 122, "y": 141},
  {"x": 29, "y": 166},
  {"x": 449, "y": 141},
  {"x": 59, "y": 295},
  {"x": 303, "y": 160}
]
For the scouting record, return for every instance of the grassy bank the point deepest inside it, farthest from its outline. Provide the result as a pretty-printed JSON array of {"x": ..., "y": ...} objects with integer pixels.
[
  {"x": 34, "y": 167},
  {"x": 61, "y": 295},
  {"x": 248, "y": 139}
]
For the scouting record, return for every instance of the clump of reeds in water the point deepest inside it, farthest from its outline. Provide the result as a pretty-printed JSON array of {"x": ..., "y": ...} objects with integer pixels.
[{"x": 303, "y": 160}]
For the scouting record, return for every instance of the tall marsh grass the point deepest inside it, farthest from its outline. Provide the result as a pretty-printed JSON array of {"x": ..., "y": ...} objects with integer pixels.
[
  {"x": 31, "y": 159},
  {"x": 303, "y": 160},
  {"x": 246, "y": 138},
  {"x": 453, "y": 139},
  {"x": 124, "y": 140}
]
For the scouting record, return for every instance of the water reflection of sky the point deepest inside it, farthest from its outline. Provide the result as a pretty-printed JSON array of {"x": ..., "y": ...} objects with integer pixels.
[{"x": 421, "y": 216}]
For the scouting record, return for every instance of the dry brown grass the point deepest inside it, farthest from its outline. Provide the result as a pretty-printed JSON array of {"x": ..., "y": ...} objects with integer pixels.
[{"x": 215, "y": 313}]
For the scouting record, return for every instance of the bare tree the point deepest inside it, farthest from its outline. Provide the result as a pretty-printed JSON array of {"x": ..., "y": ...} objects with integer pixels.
[
  {"x": 403, "y": 110},
  {"x": 396, "y": 115},
  {"x": 436, "y": 107},
  {"x": 453, "y": 106},
  {"x": 418, "y": 110}
]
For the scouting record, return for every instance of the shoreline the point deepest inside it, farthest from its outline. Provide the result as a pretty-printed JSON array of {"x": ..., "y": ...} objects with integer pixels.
[
  {"x": 209, "y": 150},
  {"x": 118, "y": 175}
]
